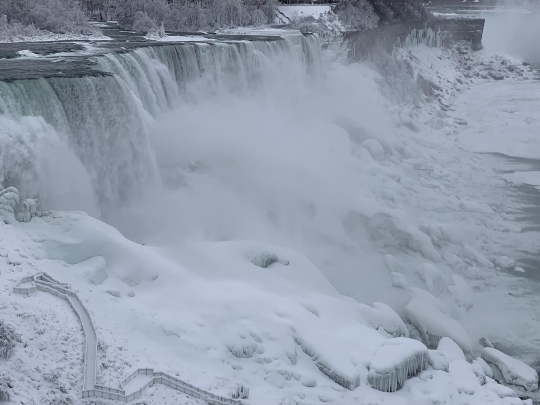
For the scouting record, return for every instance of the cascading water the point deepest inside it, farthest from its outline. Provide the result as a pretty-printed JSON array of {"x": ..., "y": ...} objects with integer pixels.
[{"x": 95, "y": 129}]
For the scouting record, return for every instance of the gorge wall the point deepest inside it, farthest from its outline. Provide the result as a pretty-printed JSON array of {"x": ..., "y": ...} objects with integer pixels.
[{"x": 434, "y": 32}]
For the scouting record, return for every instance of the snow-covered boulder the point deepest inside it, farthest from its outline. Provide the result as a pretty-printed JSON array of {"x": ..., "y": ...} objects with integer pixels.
[
  {"x": 432, "y": 320},
  {"x": 330, "y": 360},
  {"x": 462, "y": 292},
  {"x": 450, "y": 349},
  {"x": 395, "y": 361},
  {"x": 433, "y": 278},
  {"x": 514, "y": 371},
  {"x": 381, "y": 316}
]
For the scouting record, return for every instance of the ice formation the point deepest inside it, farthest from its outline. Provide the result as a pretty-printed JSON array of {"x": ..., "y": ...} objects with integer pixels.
[
  {"x": 28, "y": 211},
  {"x": 9, "y": 200},
  {"x": 433, "y": 322},
  {"x": 514, "y": 371},
  {"x": 395, "y": 361}
]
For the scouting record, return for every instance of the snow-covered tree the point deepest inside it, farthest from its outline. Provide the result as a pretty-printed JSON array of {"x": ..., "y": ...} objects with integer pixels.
[
  {"x": 61, "y": 16},
  {"x": 357, "y": 14},
  {"x": 8, "y": 337}
]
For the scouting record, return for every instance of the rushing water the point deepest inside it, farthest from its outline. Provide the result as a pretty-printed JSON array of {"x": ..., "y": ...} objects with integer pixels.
[{"x": 91, "y": 128}]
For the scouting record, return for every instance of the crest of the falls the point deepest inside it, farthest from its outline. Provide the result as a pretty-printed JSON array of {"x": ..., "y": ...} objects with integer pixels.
[{"x": 85, "y": 140}]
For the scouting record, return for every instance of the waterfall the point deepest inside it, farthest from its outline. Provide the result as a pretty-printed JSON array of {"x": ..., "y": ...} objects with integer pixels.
[{"x": 95, "y": 129}]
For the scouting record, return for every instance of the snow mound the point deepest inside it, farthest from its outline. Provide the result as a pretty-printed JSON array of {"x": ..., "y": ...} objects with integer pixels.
[
  {"x": 433, "y": 278},
  {"x": 462, "y": 292},
  {"x": 395, "y": 361},
  {"x": 433, "y": 322},
  {"x": 514, "y": 371},
  {"x": 463, "y": 377},
  {"x": 399, "y": 280},
  {"x": 381, "y": 316},
  {"x": 437, "y": 360}
]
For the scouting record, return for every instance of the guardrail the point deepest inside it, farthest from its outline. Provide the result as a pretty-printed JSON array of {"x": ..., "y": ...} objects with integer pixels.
[{"x": 44, "y": 282}]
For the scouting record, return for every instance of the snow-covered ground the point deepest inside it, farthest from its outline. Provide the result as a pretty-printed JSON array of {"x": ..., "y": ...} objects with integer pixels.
[{"x": 307, "y": 237}]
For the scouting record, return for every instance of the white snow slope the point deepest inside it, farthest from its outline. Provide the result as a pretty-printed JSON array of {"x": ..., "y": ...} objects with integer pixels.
[{"x": 257, "y": 268}]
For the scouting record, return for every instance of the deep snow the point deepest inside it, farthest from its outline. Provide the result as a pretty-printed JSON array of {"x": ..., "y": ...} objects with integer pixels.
[{"x": 351, "y": 192}]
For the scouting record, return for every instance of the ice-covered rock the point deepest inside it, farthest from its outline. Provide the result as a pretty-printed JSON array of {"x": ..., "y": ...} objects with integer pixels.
[
  {"x": 514, "y": 371},
  {"x": 399, "y": 280},
  {"x": 433, "y": 322},
  {"x": 462, "y": 292},
  {"x": 381, "y": 316},
  {"x": 433, "y": 278},
  {"x": 395, "y": 361}
]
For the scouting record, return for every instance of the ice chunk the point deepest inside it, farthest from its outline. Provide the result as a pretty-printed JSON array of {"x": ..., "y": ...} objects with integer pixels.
[
  {"x": 437, "y": 360},
  {"x": 399, "y": 280},
  {"x": 451, "y": 350},
  {"x": 395, "y": 361},
  {"x": 462, "y": 292},
  {"x": 433, "y": 278},
  {"x": 514, "y": 371},
  {"x": 431, "y": 319},
  {"x": 381, "y": 316},
  {"x": 504, "y": 262}
]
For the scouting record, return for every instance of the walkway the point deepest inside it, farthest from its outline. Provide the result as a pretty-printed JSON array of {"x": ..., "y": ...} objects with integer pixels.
[{"x": 146, "y": 377}]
